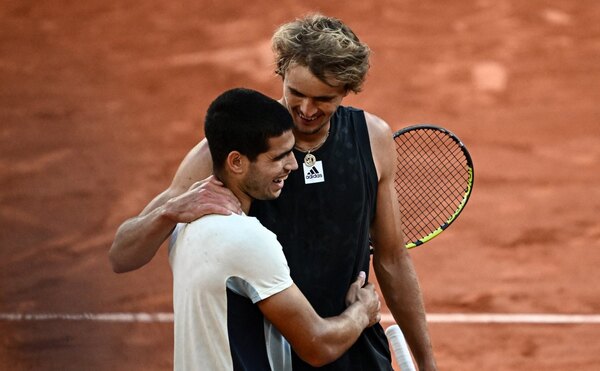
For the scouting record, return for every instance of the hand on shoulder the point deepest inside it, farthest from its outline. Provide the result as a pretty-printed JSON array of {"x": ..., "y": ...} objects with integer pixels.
[{"x": 208, "y": 196}]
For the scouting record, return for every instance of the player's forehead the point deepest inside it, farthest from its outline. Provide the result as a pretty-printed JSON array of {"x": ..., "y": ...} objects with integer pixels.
[
  {"x": 299, "y": 79},
  {"x": 280, "y": 145}
]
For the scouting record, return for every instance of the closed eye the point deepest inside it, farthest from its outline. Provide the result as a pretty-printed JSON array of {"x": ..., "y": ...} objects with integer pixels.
[{"x": 321, "y": 98}]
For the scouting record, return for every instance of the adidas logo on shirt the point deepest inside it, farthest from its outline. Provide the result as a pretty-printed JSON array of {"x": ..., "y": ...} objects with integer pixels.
[{"x": 314, "y": 174}]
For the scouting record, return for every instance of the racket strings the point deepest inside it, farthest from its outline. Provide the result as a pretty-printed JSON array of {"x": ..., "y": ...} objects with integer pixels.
[{"x": 432, "y": 178}]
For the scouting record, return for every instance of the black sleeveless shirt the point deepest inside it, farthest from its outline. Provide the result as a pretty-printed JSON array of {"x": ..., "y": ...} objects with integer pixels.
[{"x": 324, "y": 229}]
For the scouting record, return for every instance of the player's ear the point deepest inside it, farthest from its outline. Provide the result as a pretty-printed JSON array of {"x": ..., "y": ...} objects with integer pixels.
[{"x": 236, "y": 162}]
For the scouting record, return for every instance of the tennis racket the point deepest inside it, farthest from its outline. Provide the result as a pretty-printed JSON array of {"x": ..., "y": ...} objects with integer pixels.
[{"x": 434, "y": 181}]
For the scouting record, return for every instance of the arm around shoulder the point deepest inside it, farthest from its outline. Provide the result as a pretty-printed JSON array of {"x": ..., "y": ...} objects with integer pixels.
[{"x": 138, "y": 239}]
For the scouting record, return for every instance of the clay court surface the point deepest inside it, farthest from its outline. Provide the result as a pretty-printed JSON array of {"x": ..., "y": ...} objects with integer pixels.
[{"x": 100, "y": 101}]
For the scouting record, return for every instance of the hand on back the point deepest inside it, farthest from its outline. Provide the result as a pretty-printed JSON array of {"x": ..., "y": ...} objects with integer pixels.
[{"x": 367, "y": 296}]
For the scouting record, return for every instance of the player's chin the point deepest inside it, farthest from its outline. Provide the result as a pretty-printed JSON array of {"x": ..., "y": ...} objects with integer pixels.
[
  {"x": 275, "y": 193},
  {"x": 309, "y": 127},
  {"x": 269, "y": 194}
]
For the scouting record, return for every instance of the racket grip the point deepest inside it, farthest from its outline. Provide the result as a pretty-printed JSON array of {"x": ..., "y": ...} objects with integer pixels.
[{"x": 400, "y": 347}]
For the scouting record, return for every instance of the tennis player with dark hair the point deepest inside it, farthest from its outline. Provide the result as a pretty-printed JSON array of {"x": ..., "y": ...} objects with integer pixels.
[
  {"x": 219, "y": 257},
  {"x": 343, "y": 194}
]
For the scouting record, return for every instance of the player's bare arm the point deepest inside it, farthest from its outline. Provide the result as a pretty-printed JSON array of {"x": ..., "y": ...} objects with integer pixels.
[
  {"x": 192, "y": 194},
  {"x": 318, "y": 340},
  {"x": 391, "y": 262}
]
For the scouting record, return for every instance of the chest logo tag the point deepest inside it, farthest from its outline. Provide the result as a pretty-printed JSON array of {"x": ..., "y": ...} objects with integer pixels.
[{"x": 314, "y": 174}]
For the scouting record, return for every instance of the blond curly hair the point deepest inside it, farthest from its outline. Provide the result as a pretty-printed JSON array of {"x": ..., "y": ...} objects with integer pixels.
[{"x": 326, "y": 46}]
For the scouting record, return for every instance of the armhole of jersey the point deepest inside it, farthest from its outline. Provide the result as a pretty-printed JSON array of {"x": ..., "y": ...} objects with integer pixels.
[
  {"x": 243, "y": 288},
  {"x": 364, "y": 143},
  {"x": 278, "y": 349}
]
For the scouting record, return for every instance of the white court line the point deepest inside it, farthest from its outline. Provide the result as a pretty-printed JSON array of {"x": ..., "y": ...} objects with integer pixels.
[
  {"x": 99, "y": 317},
  {"x": 523, "y": 318},
  {"x": 551, "y": 319}
]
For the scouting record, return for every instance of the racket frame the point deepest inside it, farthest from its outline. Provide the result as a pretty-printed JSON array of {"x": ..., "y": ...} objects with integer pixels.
[{"x": 469, "y": 186}]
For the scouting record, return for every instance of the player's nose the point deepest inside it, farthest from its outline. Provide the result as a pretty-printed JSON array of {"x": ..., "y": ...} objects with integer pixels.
[
  {"x": 308, "y": 108},
  {"x": 291, "y": 163}
]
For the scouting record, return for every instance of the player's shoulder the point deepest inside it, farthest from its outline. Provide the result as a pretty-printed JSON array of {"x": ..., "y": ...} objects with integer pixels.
[
  {"x": 234, "y": 231},
  {"x": 378, "y": 127},
  {"x": 258, "y": 230},
  {"x": 245, "y": 229},
  {"x": 257, "y": 244},
  {"x": 381, "y": 140}
]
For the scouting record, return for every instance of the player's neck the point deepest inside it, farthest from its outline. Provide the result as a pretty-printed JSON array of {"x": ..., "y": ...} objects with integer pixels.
[
  {"x": 244, "y": 199},
  {"x": 246, "y": 203}
]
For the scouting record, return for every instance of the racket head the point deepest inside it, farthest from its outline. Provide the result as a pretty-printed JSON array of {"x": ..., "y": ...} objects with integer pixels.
[{"x": 434, "y": 180}]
